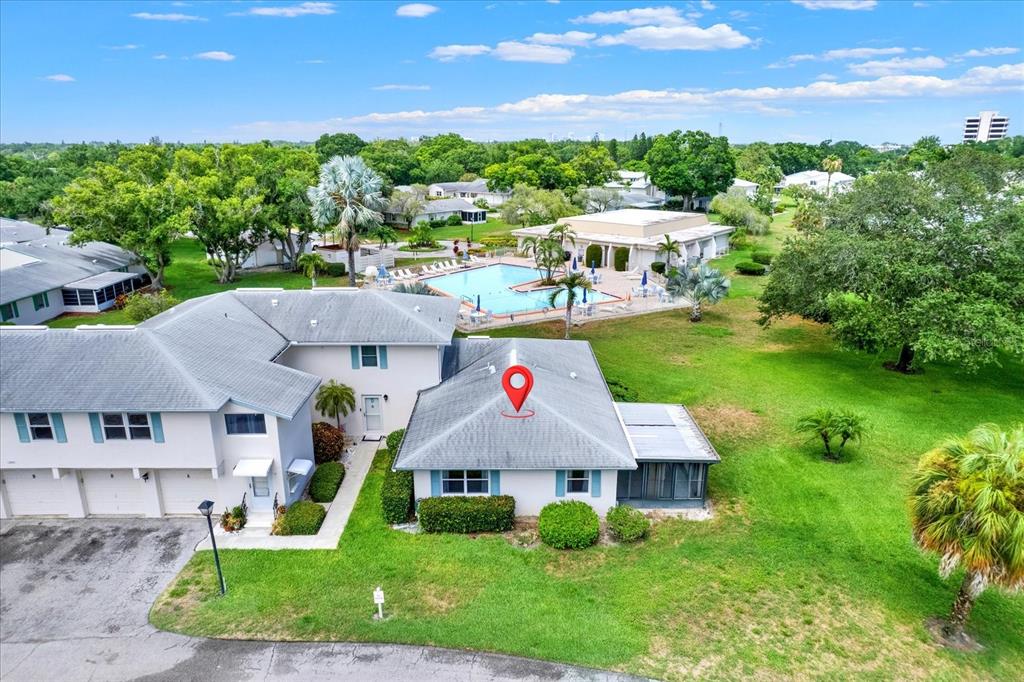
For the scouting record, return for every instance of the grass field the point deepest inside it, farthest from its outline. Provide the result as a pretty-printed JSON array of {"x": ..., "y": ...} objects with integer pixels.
[{"x": 807, "y": 568}]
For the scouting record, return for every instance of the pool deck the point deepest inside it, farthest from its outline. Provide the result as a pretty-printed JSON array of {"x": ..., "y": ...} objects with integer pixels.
[{"x": 614, "y": 283}]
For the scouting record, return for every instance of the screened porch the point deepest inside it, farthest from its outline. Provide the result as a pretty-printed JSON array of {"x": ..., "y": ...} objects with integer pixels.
[{"x": 663, "y": 484}]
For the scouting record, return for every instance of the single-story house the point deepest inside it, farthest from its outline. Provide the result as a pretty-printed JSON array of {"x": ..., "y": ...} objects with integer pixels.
[
  {"x": 465, "y": 438},
  {"x": 635, "y": 181},
  {"x": 17, "y": 231},
  {"x": 44, "y": 277},
  {"x": 441, "y": 209},
  {"x": 469, "y": 190},
  {"x": 746, "y": 186},
  {"x": 641, "y": 232},
  {"x": 270, "y": 254},
  {"x": 212, "y": 399},
  {"x": 816, "y": 180}
]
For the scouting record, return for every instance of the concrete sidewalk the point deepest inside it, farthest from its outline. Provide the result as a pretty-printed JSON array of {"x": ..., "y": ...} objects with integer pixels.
[{"x": 334, "y": 524}]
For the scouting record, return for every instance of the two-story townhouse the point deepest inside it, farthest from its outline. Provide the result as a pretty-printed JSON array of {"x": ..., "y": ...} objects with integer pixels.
[{"x": 212, "y": 399}]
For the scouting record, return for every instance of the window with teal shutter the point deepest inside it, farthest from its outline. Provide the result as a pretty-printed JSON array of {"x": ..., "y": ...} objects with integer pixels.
[
  {"x": 435, "y": 483},
  {"x": 595, "y": 483},
  {"x": 57, "y": 419},
  {"x": 382, "y": 355},
  {"x": 97, "y": 428},
  {"x": 495, "y": 482},
  {"x": 19, "y": 421},
  {"x": 355, "y": 356},
  {"x": 560, "y": 483},
  {"x": 158, "y": 427}
]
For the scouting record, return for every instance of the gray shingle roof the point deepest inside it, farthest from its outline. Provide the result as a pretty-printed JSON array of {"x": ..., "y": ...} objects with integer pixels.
[
  {"x": 207, "y": 351},
  {"x": 448, "y": 206},
  {"x": 459, "y": 424},
  {"x": 21, "y": 231},
  {"x": 58, "y": 264}
]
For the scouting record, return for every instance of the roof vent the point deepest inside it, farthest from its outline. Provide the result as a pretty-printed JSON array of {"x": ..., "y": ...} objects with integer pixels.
[
  {"x": 273, "y": 302},
  {"x": 312, "y": 323},
  {"x": 417, "y": 308},
  {"x": 572, "y": 375}
]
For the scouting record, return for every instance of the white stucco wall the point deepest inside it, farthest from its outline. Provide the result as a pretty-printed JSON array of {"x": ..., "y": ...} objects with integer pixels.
[
  {"x": 27, "y": 314},
  {"x": 410, "y": 369},
  {"x": 534, "y": 489}
]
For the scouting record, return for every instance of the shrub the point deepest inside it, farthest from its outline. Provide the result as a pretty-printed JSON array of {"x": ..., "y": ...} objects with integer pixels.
[
  {"x": 734, "y": 209},
  {"x": 658, "y": 267},
  {"x": 328, "y": 442},
  {"x": 326, "y": 480},
  {"x": 234, "y": 519},
  {"x": 762, "y": 257},
  {"x": 301, "y": 518},
  {"x": 739, "y": 240},
  {"x": 139, "y": 306},
  {"x": 499, "y": 241},
  {"x": 568, "y": 525},
  {"x": 592, "y": 255},
  {"x": 746, "y": 267},
  {"x": 621, "y": 392},
  {"x": 621, "y": 259},
  {"x": 454, "y": 220},
  {"x": 494, "y": 514},
  {"x": 394, "y": 439},
  {"x": 626, "y": 523},
  {"x": 435, "y": 224},
  {"x": 336, "y": 269},
  {"x": 396, "y": 493}
]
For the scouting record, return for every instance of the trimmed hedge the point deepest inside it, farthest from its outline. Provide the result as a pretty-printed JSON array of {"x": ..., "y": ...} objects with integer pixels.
[
  {"x": 301, "y": 518},
  {"x": 454, "y": 220},
  {"x": 658, "y": 267},
  {"x": 328, "y": 442},
  {"x": 747, "y": 267},
  {"x": 478, "y": 514},
  {"x": 621, "y": 258},
  {"x": 394, "y": 439},
  {"x": 626, "y": 523},
  {"x": 592, "y": 255},
  {"x": 762, "y": 257},
  {"x": 499, "y": 240},
  {"x": 571, "y": 524},
  {"x": 336, "y": 269},
  {"x": 326, "y": 480},
  {"x": 396, "y": 493}
]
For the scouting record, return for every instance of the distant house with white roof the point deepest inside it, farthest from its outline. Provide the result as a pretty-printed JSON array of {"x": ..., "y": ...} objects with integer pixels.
[
  {"x": 470, "y": 190},
  {"x": 635, "y": 182},
  {"x": 746, "y": 186},
  {"x": 44, "y": 277},
  {"x": 641, "y": 232},
  {"x": 440, "y": 209},
  {"x": 816, "y": 180}
]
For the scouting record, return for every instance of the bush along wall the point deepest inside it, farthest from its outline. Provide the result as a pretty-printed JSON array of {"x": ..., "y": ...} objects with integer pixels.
[
  {"x": 568, "y": 525},
  {"x": 326, "y": 480},
  {"x": 621, "y": 259},
  {"x": 396, "y": 491},
  {"x": 494, "y": 514},
  {"x": 592, "y": 255},
  {"x": 301, "y": 518}
]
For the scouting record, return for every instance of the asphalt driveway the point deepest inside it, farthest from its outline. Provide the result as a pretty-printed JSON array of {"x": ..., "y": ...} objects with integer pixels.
[{"x": 74, "y": 604}]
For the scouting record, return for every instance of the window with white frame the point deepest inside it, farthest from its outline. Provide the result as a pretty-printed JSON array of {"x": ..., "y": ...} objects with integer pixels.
[
  {"x": 126, "y": 425},
  {"x": 39, "y": 426},
  {"x": 241, "y": 424},
  {"x": 368, "y": 356},
  {"x": 464, "y": 482},
  {"x": 578, "y": 481}
]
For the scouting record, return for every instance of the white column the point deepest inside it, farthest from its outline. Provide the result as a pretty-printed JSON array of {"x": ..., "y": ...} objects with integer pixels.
[
  {"x": 151, "y": 502},
  {"x": 73, "y": 493},
  {"x": 5, "y": 508}
]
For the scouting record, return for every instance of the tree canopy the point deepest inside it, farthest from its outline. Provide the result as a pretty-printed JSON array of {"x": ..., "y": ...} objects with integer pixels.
[{"x": 691, "y": 164}]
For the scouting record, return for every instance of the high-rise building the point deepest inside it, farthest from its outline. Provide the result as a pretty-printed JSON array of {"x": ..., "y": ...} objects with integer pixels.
[{"x": 988, "y": 125}]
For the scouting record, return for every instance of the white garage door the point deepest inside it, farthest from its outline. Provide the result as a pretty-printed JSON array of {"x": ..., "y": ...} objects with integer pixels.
[
  {"x": 112, "y": 491},
  {"x": 33, "y": 492},
  {"x": 183, "y": 489}
]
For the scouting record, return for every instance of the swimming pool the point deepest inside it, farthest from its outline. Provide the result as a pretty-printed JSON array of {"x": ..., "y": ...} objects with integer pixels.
[{"x": 493, "y": 284}]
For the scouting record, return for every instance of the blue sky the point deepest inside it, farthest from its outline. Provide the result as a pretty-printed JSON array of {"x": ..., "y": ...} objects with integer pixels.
[{"x": 803, "y": 70}]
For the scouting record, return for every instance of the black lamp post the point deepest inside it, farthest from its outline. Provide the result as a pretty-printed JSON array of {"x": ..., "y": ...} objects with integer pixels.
[{"x": 206, "y": 509}]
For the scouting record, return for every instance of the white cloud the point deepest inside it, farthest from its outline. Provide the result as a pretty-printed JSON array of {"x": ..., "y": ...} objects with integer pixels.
[
  {"x": 160, "y": 56},
  {"x": 574, "y": 38},
  {"x": 514, "y": 51},
  {"x": 449, "y": 53},
  {"x": 836, "y": 4},
  {"x": 826, "y": 77},
  {"x": 838, "y": 54},
  {"x": 173, "y": 16},
  {"x": 990, "y": 52},
  {"x": 129, "y": 46},
  {"x": 897, "y": 65},
  {"x": 216, "y": 56},
  {"x": 59, "y": 78},
  {"x": 641, "y": 16},
  {"x": 313, "y": 61},
  {"x": 717, "y": 37},
  {"x": 400, "y": 87},
  {"x": 416, "y": 10},
  {"x": 291, "y": 11},
  {"x": 707, "y": 6},
  {"x": 920, "y": 5}
]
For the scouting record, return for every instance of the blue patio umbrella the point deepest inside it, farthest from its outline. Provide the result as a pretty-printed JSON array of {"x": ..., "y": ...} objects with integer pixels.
[
  {"x": 478, "y": 302},
  {"x": 584, "y": 295},
  {"x": 574, "y": 268},
  {"x": 592, "y": 271},
  {"x": 643, "y": 281}
]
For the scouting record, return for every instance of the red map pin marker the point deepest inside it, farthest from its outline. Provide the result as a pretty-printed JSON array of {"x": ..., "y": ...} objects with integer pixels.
[{"x": 517, "y": 395}]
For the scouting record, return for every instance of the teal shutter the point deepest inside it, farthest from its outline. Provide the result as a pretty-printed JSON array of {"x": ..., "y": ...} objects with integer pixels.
[
  {"x": 560, "y": 483},
  {"x": 495, "y": 482},
  {"x": 435, "y": 483},
  {"x": 46, "y": 299},
  {"x": 58, "y": 427},
  {"x": 382, "y": 356},
  {"x": 157, "y": 424},
  {"x": 14, "y": 307},
  {"x": 19, "y": 421},
  {"x": 355, "y": 356},
  {"x": 97, "y": 430},
  {"x": 595, "y": 483}
]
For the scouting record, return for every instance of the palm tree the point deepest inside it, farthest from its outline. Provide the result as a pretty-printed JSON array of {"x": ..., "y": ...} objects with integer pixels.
[
  {"x": 569, "y": 284},
  {"x": 347, "y": 195},
  {"x": 702, "y": 285},
  {"x": 413, "y": 288},
  {"x": 965, "y": 505},
  {"x": 671, "y": 247},
  {"x": 547, "y": 253},
  {"x": 562, "y": 233},
  {"x": 335, "y": 400},
  {"x": 384, "y": 235},
  {"x": 312, "y": 264},
  {"x": 829, "y": 425},
  {"x": 831, "y": 164}
]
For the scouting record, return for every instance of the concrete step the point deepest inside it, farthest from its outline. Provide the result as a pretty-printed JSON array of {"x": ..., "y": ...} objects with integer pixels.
[{"x": 259, "y": 519}]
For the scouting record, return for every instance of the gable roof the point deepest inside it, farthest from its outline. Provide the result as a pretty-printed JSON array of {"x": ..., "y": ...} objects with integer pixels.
[
  {"x": 448, "y": 206},
  {"x": 207, "y": 351},
  {"x": 51, "y": 262},
  {"x": 458, "y": 424}
]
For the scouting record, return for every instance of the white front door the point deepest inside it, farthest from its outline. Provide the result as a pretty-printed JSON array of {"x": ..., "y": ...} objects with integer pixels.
[
  {"x": 372, "y": 412},
  {"x": 261, "y": 495}
]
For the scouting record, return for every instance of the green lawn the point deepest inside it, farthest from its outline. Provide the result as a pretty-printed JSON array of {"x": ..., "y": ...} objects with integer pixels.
[
  {"x": 493, "y": 226},
  {"x": 806, "y": 570}
]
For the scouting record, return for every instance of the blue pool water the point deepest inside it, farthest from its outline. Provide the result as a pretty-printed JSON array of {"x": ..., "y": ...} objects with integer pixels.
[{"x": 493, "y": 284}]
